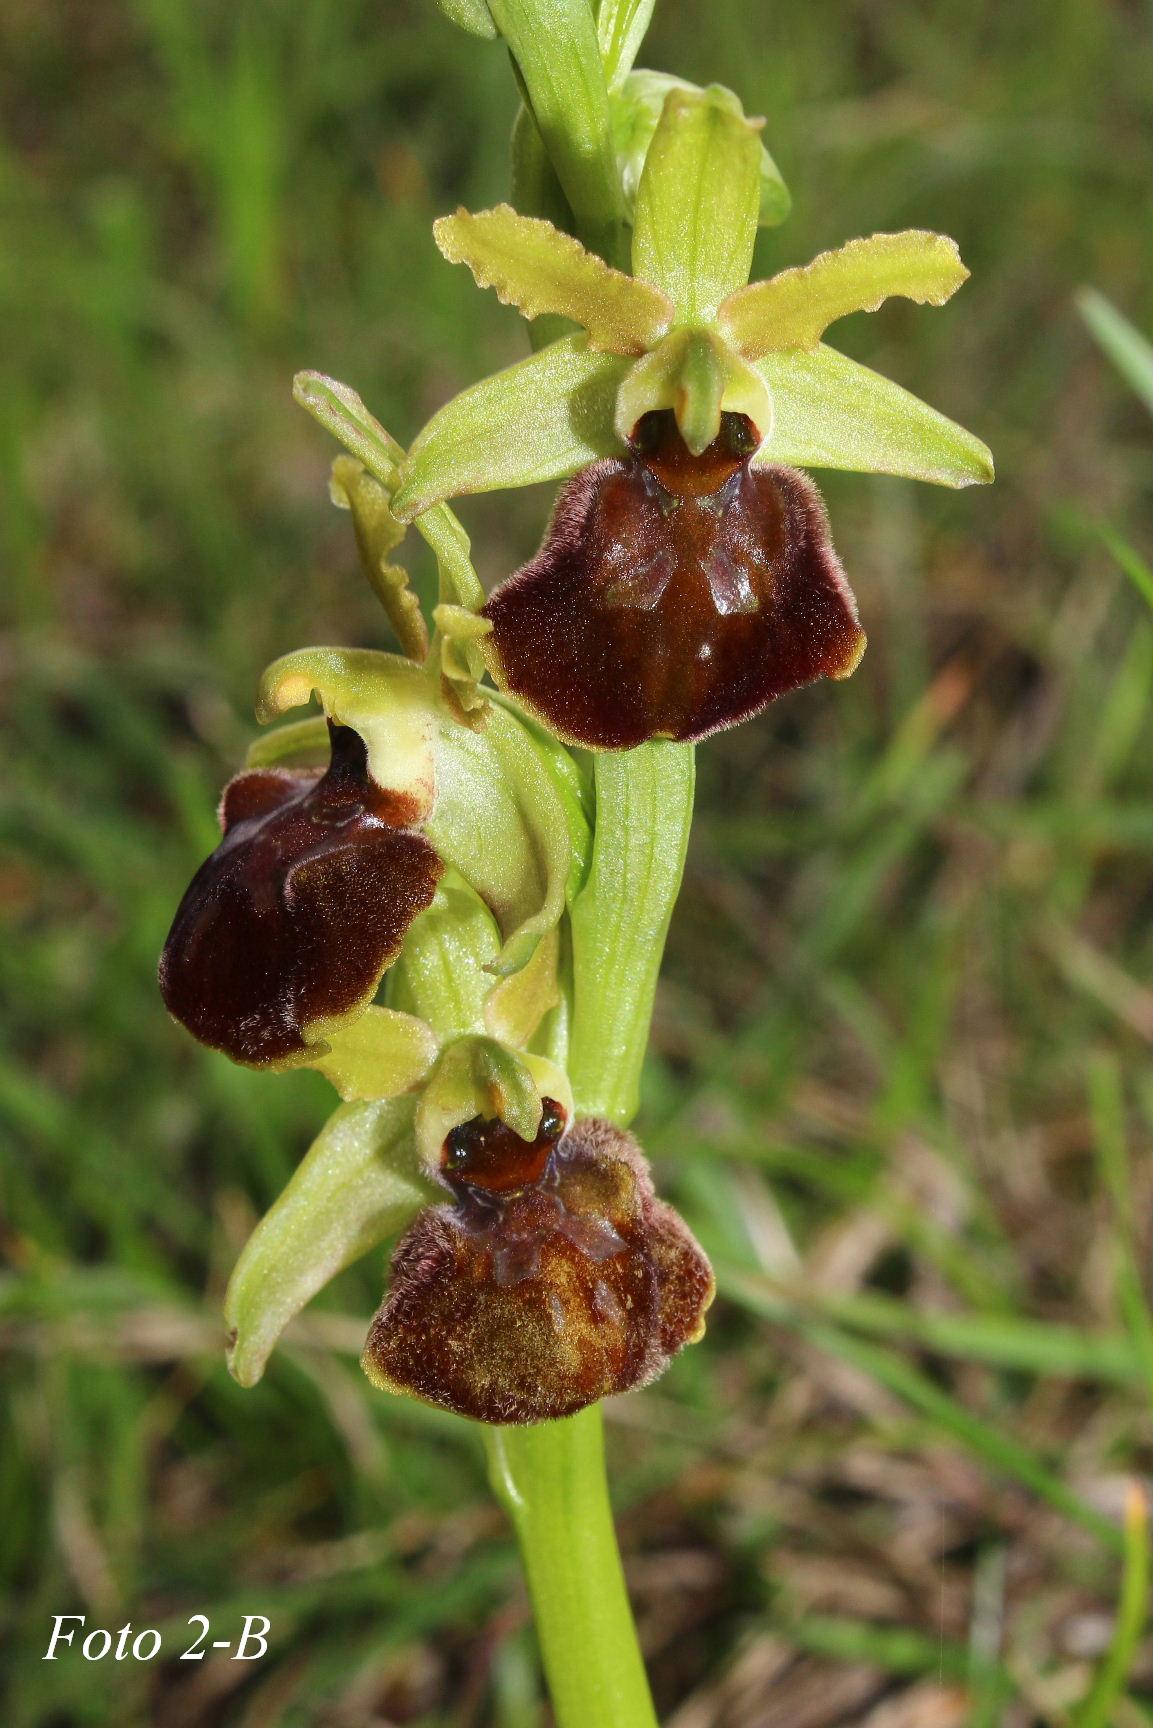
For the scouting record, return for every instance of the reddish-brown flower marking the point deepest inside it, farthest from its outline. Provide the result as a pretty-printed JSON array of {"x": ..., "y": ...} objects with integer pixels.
[
  {"x": 305, "y": 902},
  {"x": 525, "y": 1302},
  {"x": 486, "y": 1153},
  {"x": 674, "y": 594}
]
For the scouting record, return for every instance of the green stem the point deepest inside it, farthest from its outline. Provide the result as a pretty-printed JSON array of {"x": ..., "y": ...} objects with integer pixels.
[
  {"x": 644, "y": 810},
  {"x": 555, "y": 50},
  {"x": 551, "y": 1481}
]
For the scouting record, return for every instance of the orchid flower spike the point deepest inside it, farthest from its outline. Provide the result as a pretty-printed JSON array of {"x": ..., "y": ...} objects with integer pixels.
[{"x": 688, "y": 576}]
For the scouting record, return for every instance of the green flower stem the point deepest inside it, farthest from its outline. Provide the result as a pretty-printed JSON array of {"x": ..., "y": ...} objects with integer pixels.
[
  {"x": 551, "y": 1480},
  {"x": 554, "y": 47},
  {"x": 644, "y": 810}
]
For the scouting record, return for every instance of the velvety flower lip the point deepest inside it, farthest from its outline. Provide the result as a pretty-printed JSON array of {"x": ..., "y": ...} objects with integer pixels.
[
  {"x": 674, "y": 595},
  {"x": 527, "y": 1303},
  {"x": 304, "y": 904}
]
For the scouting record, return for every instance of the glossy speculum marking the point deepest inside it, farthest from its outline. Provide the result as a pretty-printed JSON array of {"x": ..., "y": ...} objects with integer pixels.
[
  {"x": 486, "y": 1153},
  {"x": 301, "y": 908},
  {"x": 674, "y": 594},
  {"x": 525, "y": 1303}
]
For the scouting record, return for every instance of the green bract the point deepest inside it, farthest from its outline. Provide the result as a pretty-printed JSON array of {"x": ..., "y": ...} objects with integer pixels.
[{"x": 686, "y": 331}]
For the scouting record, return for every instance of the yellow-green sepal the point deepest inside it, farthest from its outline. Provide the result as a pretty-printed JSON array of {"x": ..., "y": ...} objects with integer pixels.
[
  {"x": 543, "y": 419},
  {"x": 636, "y": 106},
  {"x": 360, "y": 1183},
  {"x": 832, "y": 412},
  {"x": 376, "y": 1053}
]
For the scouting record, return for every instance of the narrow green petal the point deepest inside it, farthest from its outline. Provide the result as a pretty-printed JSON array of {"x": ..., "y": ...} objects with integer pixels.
[
  {"x": 539, "y": 270},
  {"x": 543, "y": 419},
  {"x": 340, "y": 411},
  {"x": 378, "y": 533},
  {"x": 794, "y": 309},
  {"x": 621, "y": 26},
  {"x": 698, "y": 200},
  {"x": 359, "y": 1184},
  {"x": 832, "y": 412}
]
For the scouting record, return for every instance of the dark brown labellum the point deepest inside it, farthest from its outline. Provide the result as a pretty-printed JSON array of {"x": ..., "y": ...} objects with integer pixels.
[
  {"x": 674, "y": 594},
  {"x": 486, "y": 1153},
  {"x": 301, "y": 908},
  {"x": 529, "y": 1303}
]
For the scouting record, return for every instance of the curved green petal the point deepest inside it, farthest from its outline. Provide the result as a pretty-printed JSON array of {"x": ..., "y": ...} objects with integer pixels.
[
  {"x": 831, "y": 412},
  {"x": 378, "y": 533},
  {"x": 340, "y": 411},
  {"x": 543, "y": 419},
  {"x": 794, "y": 309},
  {"x": 698, "y": 200},
  {"x": 539, "y": 270},
  {"x": 359, "y": 1183}
]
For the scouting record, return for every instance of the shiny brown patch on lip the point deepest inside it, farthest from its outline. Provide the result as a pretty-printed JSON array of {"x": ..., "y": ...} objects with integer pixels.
[
  {"x": 301, "y": 908},
  {"x": 528, "y": 1304},
  {"x": 487, "y": 1154},
  {"x": 674, "y": 595}
]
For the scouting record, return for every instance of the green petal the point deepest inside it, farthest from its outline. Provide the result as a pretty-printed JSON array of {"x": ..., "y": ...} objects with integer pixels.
[
  {"x": 697, "y": 201},
  {"x": 794, "y": 309},
  {"x": 340, "y": 411},
  {"x": 539, "y": 270},
  {"x": 359, "y": 1184},
  {"x": 832, "y": 412},
  {"x": 543, "y": 419},
  {"x": 378, "y": 533}
]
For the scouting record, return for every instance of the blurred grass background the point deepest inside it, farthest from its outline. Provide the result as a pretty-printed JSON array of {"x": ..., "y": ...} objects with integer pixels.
[{"x": 900, "y": 1080}]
